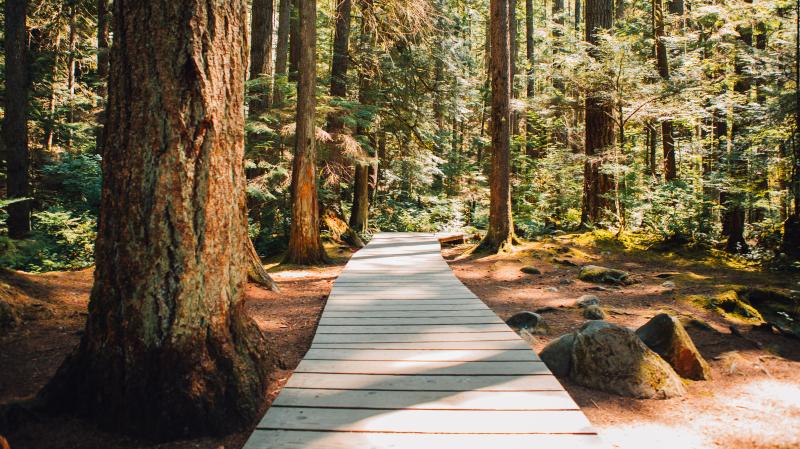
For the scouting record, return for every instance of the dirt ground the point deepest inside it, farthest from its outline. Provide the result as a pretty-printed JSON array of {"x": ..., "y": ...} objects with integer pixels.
[
  {"x": 753, "y": 400},
  {"x": 31, "y": 353}
]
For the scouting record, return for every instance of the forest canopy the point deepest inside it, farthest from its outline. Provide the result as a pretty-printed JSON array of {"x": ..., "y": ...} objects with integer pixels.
[{"x": 698, "y": 116}]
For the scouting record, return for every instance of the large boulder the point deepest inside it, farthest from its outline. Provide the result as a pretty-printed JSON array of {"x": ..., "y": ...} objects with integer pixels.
[
  {"x": 558, "y": 354},
  {"x": 665, "y": 335},
  {"x": 603, "y": 275},
  {"x": 612, "y": 358}
]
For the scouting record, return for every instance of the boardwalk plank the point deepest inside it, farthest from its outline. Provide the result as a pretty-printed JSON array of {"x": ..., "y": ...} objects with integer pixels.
[
  {"x": 424, "y": 383},
  {"x": 483, "y": 368},
  {"x": 518, "y": 355}
]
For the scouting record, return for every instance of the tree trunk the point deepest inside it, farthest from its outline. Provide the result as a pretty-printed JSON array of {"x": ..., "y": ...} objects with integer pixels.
[
  {"x": 513, "y": 57},
  {"x": 619, "y": 9},
  {"x": 791, "y": 227},
  {"x": 168, "y": 350},
  {"x": 530, "y": 54},
  {"x": 359, "y": 214},
  {"x": 295, "y": 40},
  {"x": 71, "y": 42},
  {"x": 599, "y": 125},
  {"x": 103, "y": 43},
  {"x": 261, "y": 56},
  {"x": 340, "y": 62},
  {"x": 500, "y": 235},
  {"x": 305, "y": 243},
  {"x": 578, "y": 15},
  {"x": 662, "y": 64},
  {"x": 281, "y": 52},
  {"x": 15, "y": 123},
  {"x": 256, "y": 271}
]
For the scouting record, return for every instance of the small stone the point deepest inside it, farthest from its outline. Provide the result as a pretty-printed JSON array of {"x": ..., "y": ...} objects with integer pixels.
[
  {"x": 565, "y": 281},
  {"x": 565, "y": 262},
  {"x": 528, "y": 321},
  {"x": 546, "y": 309},
  {"x": 668, "y": 284},
  {"x": 530, "y": 270},
  {"x": 558, "y": 354},
  {"x": 665, "y": 335},
  {"x": 594, "y": 312},
  {"x": 595, "y": 273},
  {"x": 587, "y": 300},
  {"x": 552, "y": 289}
]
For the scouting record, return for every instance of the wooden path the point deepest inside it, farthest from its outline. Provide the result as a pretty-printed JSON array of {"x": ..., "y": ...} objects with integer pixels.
[{"x": 405, "y": 356}]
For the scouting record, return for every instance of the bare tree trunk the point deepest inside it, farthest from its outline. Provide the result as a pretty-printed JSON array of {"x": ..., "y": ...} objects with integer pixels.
[
  {"x": 295, "y": 40},
  {"x": 71, "y": 43},
  {"x": 168, "y": 349},
  {"x": 341, "y": 60},
  {"x": 281, "y": 52},
  {"x": 599, "y": 125},
  {"x": 662, "y": 64},
  {"x": 513, "y": 57},
  {"x": 500, "y": 235},
  {"x": 261, "y": 56},
  {"x": 305, "y": 243},
  {"x": 530, "y": 54},
  {"x": 359, "y": 214},
  {"x": 15, "y": 123}
]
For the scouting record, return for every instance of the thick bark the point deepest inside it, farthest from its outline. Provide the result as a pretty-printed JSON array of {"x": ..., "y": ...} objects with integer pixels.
[
  {"x": 500, "y": 234},
  {"x": 530, "y": 86},
  {"x": 513, "y": 57},
  {"x": 662, "y": 64},
  {"x": 340, "y": 62},
  {"x": 15, "y": 123},
  {"x": 281, "y": 52},
  {"x": 305, "y": 243},
  {"x": 600, "y": 131},
  {"x": 168, "y": 349},
  {"x": 261, "y": 56},
  {"x": 103, "y": 44}
]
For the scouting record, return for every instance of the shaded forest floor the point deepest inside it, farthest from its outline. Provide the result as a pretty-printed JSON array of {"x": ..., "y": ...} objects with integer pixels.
[{"x": 753, "y": 400}]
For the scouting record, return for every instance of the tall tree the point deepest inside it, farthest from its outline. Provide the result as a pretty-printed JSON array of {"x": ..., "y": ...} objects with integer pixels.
[
  {"x": 500, "y": 235},
  {"x": 662, "y": 64},
  {"x": 341, "y": 60},
  {"x": 15, "y": 123},
  {"x": 281, "y": 51},
  {"x": 600, "y": 128},
  {"x": 790, "y": 244},
  {"x": 295, "y": 40},
  {"x": 103, "y": 43},
  {"x": 305, "y": 243},
  {"x": 168, "y": 349},
  {"x": 530, "y": 80},
  {"x": 261, "y": 56}
]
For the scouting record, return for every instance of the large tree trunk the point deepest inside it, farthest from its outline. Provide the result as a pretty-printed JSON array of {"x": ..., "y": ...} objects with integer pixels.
[
  {"x": 168, "y": 349},
  {"x": 662, "y": 64},
  {"x": 281, "y": 51},
  {"x": 295, "y": 40},
  {"x": 500, "y": 235},
  {"x": 261, "y": 56},
  {"x": 340, "y": 62},
  {"x": 599, "y": 124},
  {"x": 359, "y": 214},
  {"x": 15, "y": 123},
  {"x": 305, "y": 243},
  {"x": 103, "y": 43}
]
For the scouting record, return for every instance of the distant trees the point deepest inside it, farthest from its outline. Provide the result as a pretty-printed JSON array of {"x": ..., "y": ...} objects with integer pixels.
[
  {"x": 15, "y": 123},
  {"x": 168, "y": 349}
]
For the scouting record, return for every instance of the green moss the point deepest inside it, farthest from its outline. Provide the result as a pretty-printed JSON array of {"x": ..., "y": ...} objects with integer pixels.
[{"x": 728, "y": 304}]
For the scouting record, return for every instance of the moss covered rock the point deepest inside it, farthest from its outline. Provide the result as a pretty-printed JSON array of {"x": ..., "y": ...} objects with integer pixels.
[
  {"x": 604, "y": 275},
  {"x": 558, "y": 354},
  {"x": 612, "y": 358},
  {"x": 665, "y": 335}
]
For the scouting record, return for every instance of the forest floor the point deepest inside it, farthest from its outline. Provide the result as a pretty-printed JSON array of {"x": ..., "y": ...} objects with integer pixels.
[{"x": 753, "y": 400}]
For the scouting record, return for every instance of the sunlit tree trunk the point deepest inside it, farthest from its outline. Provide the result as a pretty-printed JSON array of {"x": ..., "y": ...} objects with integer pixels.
[
  {"x": 168, "y": 349},
  {"x": 600, "y": 132},
  {"x": 305, "y": 243},
  {"x": 15, "y": 122},
  {"x": 281, "y": 52},
  {"x": 500, "y": 235}
]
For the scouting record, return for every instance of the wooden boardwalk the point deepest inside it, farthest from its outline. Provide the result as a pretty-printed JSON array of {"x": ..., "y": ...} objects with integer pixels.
[{"x": 406, "y": 356}]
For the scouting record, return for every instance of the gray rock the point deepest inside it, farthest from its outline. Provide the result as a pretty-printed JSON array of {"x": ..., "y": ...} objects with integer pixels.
[
  {"x": 603, "y": 275},
  {"x": 552, "y": 289},
  {"x": 528, "y": 321},
  {"x": 530, "y": 270},
  {"x": 613, "y": 359},
  {"x": 594, "y": 312},
  {"x": 565, "y": 281},
  {"x": 588, "y": 300},
  {"x": 668, "y": 284},
  {"x": 665, "y": 335},
  {"x": 558, "y": 354}
]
